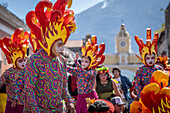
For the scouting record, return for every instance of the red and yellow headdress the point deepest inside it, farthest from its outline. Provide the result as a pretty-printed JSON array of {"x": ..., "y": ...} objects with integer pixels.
[
  {"x": 50, "y": 23},
  {"x": 91, "y": 50},
  {"x": 163, "y": 61},
  {"x": 149, "y": 47},
  {"x": 16, "y": 46},
  {"x": 155, "y": 97}
]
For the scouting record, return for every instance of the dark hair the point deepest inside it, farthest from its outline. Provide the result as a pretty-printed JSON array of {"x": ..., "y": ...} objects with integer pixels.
[
  {"x": 87, "y": 57},
  {"x": 98, "y": 106},
  {"x": 98, "y": 78},
  {"x": 116, "y": 69}
]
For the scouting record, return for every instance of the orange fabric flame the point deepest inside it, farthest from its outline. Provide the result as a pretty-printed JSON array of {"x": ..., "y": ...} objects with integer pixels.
[{"x": 155, "y": 97}]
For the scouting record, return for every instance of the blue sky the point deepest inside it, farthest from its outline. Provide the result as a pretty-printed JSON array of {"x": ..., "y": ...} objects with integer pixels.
[{"x": 21, "y": 7}]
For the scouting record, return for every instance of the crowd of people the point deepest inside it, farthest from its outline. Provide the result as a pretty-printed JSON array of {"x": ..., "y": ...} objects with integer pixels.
[{"x": 44, "y": 83}]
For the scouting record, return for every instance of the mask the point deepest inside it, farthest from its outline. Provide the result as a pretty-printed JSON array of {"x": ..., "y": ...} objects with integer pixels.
[
  {"x": 150, "y": 60},
  {"x": 58, "y": 48},
  {"x": 21, "y": 63},
  {"x": 85, "y": 62}
]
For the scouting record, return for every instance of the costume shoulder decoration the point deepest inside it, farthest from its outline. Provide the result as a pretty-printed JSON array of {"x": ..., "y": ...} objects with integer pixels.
[{"x": 155, "y": 97}]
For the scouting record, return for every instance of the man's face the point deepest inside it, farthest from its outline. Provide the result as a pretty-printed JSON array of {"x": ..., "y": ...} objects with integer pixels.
[
  {"x": 58, "y": 47},
  {"x": 150, "y": 59},
  {"x": 85, "y": 62},
  {"x": 119, "y": 108},
  {"x": 116, "y": 73},
  {"x": 21, "y": 63}
]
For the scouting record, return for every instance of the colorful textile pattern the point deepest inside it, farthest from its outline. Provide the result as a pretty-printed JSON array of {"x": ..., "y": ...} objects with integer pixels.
[
  {"x": 20, "y": 85},
  {"x": 143, "y": 77},
  {"x": 9, "y": 78},
  {"x": 45, "y": 83},
  {"x": 85, "y": 78},
  {"x": 155, "y": 97}
]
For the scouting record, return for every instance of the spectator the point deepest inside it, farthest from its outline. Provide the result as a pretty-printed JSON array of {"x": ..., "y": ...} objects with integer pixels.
[
  {"x": 117, "y": 102},
  {"x": 101, "y": 106},
  {"x": 123, "y": 83},
  {"x": 105, "y": 86}
]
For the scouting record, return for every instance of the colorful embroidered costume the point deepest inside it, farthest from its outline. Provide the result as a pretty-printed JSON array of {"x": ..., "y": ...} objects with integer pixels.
[
  {"x": 15, "y": 48},
  {"x": 45, "y": 73},
  {"x": 86, "y": 77},
  {"x": 144, "y": 73}
]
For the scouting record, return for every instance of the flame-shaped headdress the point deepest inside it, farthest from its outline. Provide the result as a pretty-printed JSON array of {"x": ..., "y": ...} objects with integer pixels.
[
  {"x": 147, "y": 48},
  {"x": 91, "y": 50},
  {"x": 163, "y": 61},
  {"x": 155, "y": 97},
  {"x": 16, "y": 46},
  {"x": 50, "y": 23}
]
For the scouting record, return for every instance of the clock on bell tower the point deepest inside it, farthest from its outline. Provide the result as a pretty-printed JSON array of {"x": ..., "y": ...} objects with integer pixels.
[{"x": 123, "y": 44}]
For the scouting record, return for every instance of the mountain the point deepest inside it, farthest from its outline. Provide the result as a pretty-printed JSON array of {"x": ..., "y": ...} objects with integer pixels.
[{"x": 104, "y": 20}]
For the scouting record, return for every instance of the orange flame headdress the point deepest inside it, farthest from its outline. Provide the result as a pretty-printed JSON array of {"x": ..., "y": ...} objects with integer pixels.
[
  {"x": 155, "y": 97},
  {"x": 147, "y": 48},
  {"x": 50, "y": 23},
  {"x": 91, "y": 50},
  {"x": 16, "y": 46},
  {"x": 163, "y": 61}
]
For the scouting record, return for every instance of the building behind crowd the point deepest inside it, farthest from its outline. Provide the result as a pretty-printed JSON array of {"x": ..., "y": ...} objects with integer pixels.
[{"x": 164, "y": 35}]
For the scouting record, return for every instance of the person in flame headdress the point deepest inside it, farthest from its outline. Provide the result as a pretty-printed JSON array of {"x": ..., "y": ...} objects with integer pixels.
[
  {"x": 86, "y": 73},
  {"x": 148, "y": 53},
  {"x": 45, "y": 75},
  {"x": 15, "y": 50},
  {"x": 155, "y": 97}
]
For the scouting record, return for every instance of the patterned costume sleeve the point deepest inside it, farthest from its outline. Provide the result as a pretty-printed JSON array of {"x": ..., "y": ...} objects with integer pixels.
[
  {"x": 3, "y": 79},
  {"x": 19, "y": 85},
  {"x": 137, "y": 82},
  {"x": 73, "y": 70},
  {"x": 30, "y": 105},
  {"x": 66, "y": 96}
]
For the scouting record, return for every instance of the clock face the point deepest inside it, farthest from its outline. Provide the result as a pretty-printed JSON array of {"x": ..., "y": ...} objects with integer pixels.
[{"x": 123, "y": 44}]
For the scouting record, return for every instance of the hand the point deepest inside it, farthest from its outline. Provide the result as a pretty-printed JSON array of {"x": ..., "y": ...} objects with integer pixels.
[
  {"x": 14, "y": 103},
  {"x": 77, "y": 56},
  {"x": 71, "y": 107}
]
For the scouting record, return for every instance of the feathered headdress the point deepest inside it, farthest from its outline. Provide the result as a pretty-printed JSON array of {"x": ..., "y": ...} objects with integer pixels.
[
  {"x": 50, "y": 23},
  {"x": 16, "y": 46},
  {"x": 91, "y": 50},
  {"x": 149, "y": 47}
]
